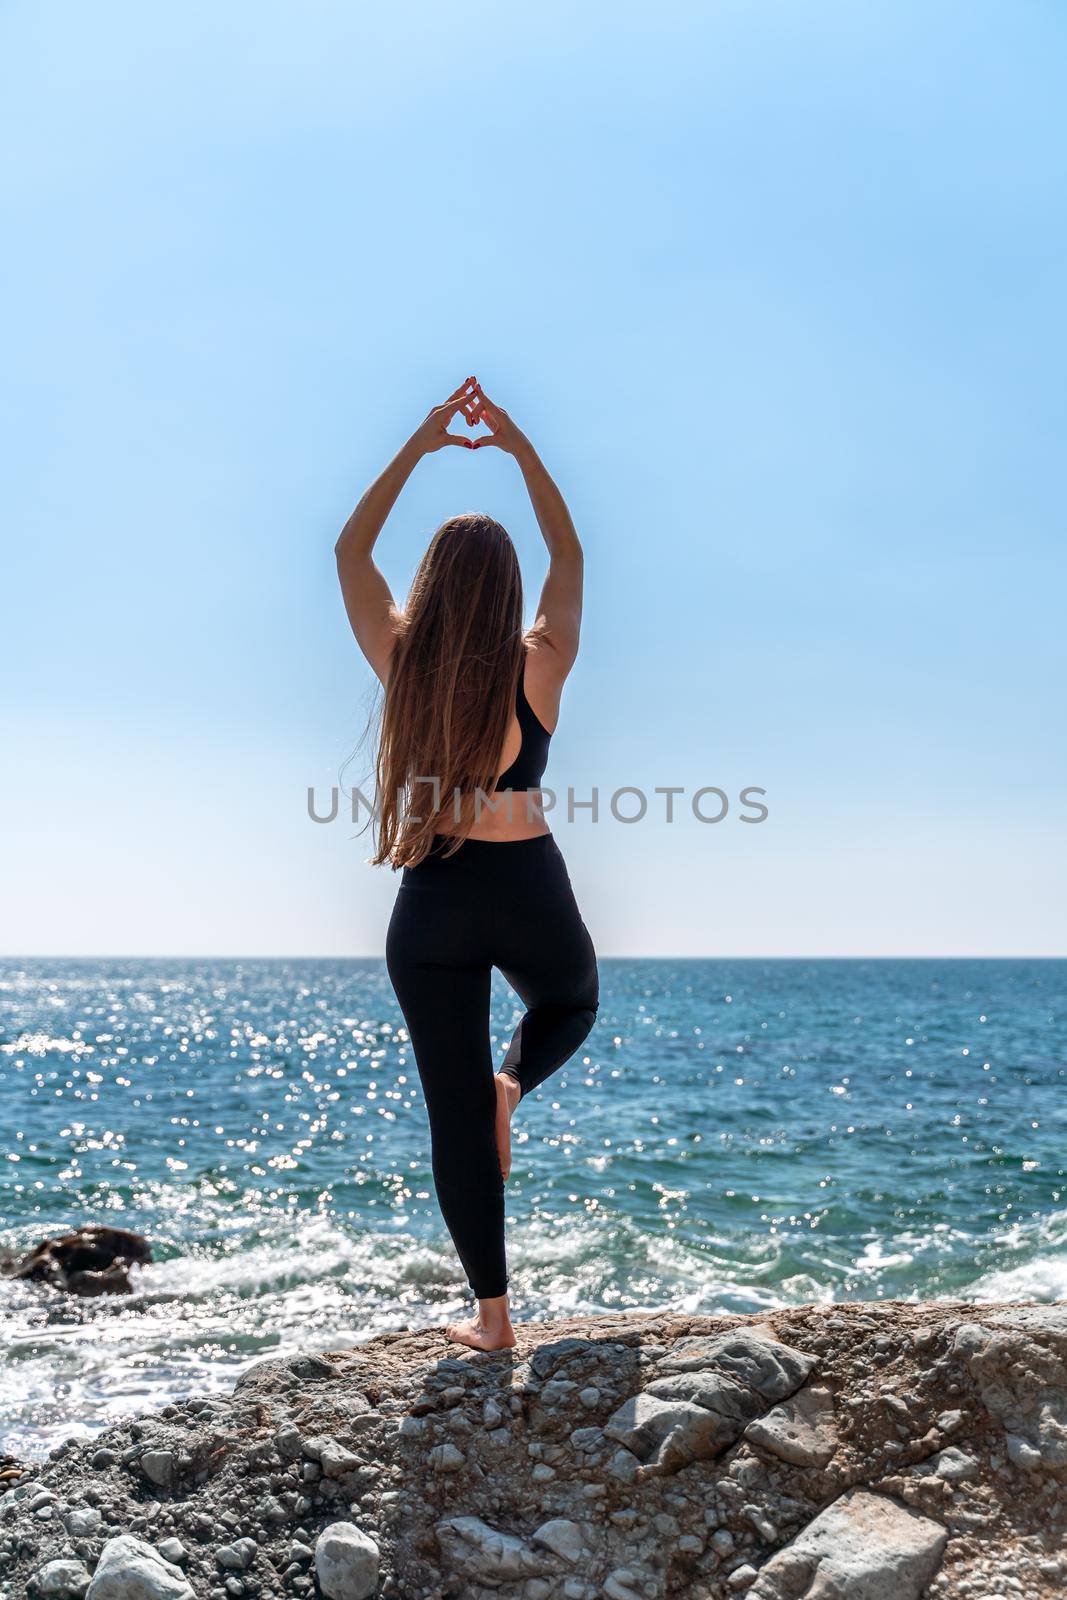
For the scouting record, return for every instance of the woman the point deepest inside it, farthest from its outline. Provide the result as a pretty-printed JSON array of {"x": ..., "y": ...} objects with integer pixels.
[{"x": 471, "y": 702}]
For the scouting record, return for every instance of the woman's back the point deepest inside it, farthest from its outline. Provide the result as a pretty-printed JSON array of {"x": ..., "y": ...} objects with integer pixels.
[{"x": 514, "y": 810}]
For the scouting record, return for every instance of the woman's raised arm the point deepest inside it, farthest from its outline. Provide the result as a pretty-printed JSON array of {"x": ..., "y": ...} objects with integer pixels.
[
  {"x": 559, "y": 613},
  {"x": 368, "y": 601}
]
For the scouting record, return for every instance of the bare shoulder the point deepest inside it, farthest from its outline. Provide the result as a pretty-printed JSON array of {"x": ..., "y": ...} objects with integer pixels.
[{"x": 545, "y": 672}]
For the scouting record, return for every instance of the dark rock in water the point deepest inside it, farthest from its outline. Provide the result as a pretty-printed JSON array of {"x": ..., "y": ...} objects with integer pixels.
[{"x": 92, "y": 1260}]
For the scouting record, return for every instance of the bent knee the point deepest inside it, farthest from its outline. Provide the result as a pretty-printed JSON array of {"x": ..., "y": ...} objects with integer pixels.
[
  {"x": 581, "y": 1007},
  {"x": 585, "y": 1016}
]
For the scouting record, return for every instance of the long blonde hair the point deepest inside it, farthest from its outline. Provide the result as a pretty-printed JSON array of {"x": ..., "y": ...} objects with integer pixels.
[{"x": 451, "y": 689}]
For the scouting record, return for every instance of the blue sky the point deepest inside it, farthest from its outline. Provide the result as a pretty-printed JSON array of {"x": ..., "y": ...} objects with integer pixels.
[{"x": 777, "y": 293}]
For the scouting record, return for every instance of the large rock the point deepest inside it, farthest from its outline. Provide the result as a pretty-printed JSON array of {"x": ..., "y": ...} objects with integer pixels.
[
  {"x": 563, "y": 1537},
  {"x": 708, "y": 1391},
  {"x": 753, "y": 1356},
  {"x": 130, "y": 1569},
  {"x": 346, "y": 1562},
  {"x": 668, "y": 1434},
  {"x": 62, "y": 1580},
  {"x": 336, "y": 1461},
  {"x": 1044, "y": 1323},
  {"x": 472, "y": 1549},
  {"x": 1018, "y": 1361},
  {"x": 544, "y": 1361},
  {"x": 712, "y": 1389},
  {"x": 238, "y": 1556},
  {"x": 863, "y": 1547},
  {"x": 800, "y": 1431},
  {"x": 274, "y": 1376},
  {"x": 160, "y": 1466}
]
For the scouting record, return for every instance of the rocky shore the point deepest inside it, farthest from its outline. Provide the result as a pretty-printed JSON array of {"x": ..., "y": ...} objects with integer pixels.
[{"x": 856, "y": 1452}]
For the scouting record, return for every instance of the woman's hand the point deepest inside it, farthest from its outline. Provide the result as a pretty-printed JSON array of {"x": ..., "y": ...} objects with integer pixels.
[
  {"x": 503, "y": 432},
  {"x": 433, "y": 434}
]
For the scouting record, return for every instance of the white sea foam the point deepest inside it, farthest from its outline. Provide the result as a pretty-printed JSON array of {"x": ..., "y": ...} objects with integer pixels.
[{"x": 194, "y": 1322}]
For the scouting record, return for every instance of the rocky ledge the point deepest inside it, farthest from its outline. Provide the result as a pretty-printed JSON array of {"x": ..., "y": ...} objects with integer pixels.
[{"x": 857, "y": 1452}]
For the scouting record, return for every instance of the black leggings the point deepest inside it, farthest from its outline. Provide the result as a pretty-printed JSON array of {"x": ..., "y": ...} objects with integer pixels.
[{"x": 508, "y": 905}]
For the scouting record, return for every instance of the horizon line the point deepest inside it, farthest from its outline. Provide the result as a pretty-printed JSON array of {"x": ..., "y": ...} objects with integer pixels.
[{"x": 351, "y": 956}]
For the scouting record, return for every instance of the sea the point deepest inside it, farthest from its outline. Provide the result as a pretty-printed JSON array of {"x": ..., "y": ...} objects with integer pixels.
[{"x": 735, "y": 1135}]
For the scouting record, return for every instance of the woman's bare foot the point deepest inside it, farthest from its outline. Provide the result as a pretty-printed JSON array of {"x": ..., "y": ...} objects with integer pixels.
[
  {"x": 489, "y": 1329},
  {"x": 508, "y": 1094}
]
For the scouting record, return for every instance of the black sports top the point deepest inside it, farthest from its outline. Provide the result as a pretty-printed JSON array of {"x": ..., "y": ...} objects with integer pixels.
[{"x": 528, "y": 767}]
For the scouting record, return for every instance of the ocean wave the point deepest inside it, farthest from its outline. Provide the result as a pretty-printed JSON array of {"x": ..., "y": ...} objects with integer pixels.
[{"x": 195, "y": 1321}]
